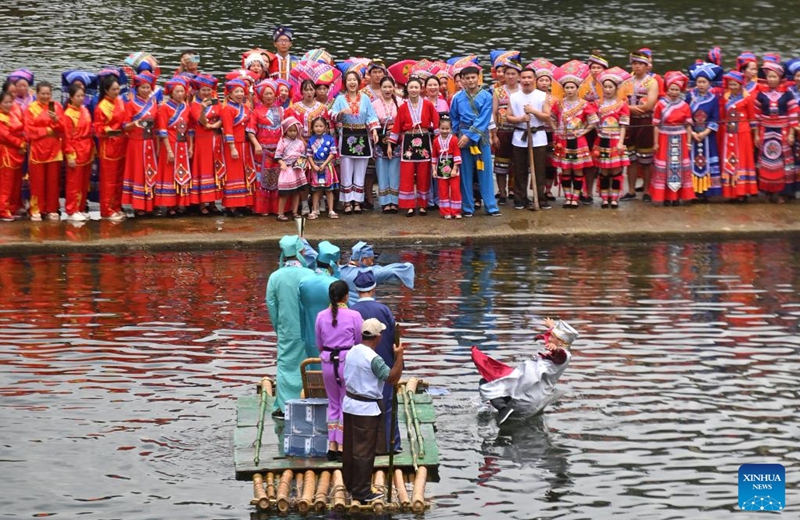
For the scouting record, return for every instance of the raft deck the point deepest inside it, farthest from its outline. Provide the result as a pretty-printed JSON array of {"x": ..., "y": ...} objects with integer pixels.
[{"x": 272, "y": 458}]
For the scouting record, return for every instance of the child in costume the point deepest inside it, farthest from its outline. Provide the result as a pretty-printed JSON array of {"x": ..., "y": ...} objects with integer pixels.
[
  {"x": 527, "y": 389},
  {"x": 291, "y": 155},
  {"x": 446, "y": 160},
  {"x": 322, "y": 152}
]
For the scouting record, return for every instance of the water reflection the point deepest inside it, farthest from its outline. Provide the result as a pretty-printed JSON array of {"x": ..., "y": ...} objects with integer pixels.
[{"x": 124, "y": 369}]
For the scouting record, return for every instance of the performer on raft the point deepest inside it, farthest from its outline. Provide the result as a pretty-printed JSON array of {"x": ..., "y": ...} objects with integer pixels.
[
  {"x": 363, "y": 259},
  {"x": 527, "y": 389}
]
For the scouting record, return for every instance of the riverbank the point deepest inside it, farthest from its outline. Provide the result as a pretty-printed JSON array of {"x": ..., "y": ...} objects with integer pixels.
[{"x": 634, "y": 221}]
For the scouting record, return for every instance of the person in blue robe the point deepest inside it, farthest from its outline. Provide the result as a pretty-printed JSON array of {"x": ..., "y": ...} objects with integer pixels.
[
  {"x": 313, "y": 293},
  {"x": 283, "y": 304},
  {"x": 703, "y": 152},
  {"x": 363, "y": 259},
  {"x": 369, "y": 308}
]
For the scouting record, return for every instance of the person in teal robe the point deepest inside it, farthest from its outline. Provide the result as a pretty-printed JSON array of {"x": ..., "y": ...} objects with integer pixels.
[
  {"x": 363, "y": 259},
  {"x": 283, "y": 303},
  {"x": 314, "y": 293}
]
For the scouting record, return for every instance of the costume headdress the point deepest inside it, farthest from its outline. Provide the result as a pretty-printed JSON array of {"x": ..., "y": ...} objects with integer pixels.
[
  {"x": 282, "y": 31},
  {"x": 792, "y": 67},
  {"x": 715, "y": 56},
  {"x": 743, "y": 59},
  {"x": 170, "y": 85},
  {"x": 329, "y": 256},
  {"x": 676, "y": 77},
  {"x": 596, "y": 58},
  {"x": 564, "y": 332},
  {"x": 734, "y": 75},
  {"x": 292, "y": 247},
  {"x": 144, "y": 78},
  {"x": 205, "y": 80},
  {"x": 264, "y": 85},
  {"x": 365, "y": 281},
  {"x": 233, "y": 84},
  {"x": 290, "y": 122},
  {"x": 361, "y": 250},
  {"x": 706, "y": 70},
  {"x": 571, "y": 72},
  {"x": 616, "y": 75},
  {"x": 21, "y": 74},
  {"x": 640, "y": 57}
]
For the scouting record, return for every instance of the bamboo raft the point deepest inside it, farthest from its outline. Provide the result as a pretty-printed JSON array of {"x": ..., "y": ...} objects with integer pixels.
[{"x": 283, "y": 484}]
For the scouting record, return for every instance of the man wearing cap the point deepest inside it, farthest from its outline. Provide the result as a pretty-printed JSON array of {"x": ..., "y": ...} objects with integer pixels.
[
  {"x": 280, "y": 67},
  {"x": 471, "y": 116},
  {"x": 283, "y": 304},
  {"x": 363, "y": 259},
  {"x": 529, "y": 388},
  {"x": 313, "y": 293},
  {"x": 366, "y": 305},
  {"x": 365, "y": 374},
  {"x": 639, "y": 138}
]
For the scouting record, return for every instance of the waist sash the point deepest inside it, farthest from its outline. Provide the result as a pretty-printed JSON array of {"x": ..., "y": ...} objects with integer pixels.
[
  {"x": 361, "y": 398},
  {"x": 416, "y": 147},
  {"x": 335, "y": 360}
]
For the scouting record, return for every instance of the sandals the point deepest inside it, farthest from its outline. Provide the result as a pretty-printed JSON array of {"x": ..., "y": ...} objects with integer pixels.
[
  {"x": 348, "y": 209},
  {"x": 313, "y": 215},
  {"x": 357, "y": 209},
  {"x": 283, "y": 218},
  {"x": 332, "y": 214}
]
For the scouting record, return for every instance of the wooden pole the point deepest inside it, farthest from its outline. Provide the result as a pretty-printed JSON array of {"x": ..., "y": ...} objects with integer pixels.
[
  {"x": 260, "y": 496},
  {"x": 266, "y": 389},
  {"x": 409, "y": 427},
  {"x": 284, "y": 487},
  {"x": 533, "y": 167},
  {"x": 307, "y": 497},
  {"x": 338, "y": 491},
  {"x": 321, "y": 497},
  {"x": 418, "y": 493},
  {"x": 380, "y": 486},
  {"x": 392, "y": 427},
  {"x": 402, "y": 492}
]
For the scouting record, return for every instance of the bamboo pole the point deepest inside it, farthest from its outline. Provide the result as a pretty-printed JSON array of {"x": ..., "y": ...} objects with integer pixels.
[
  {"x": 259, "y": 495},
  {"x": 271, "y": 487},
  {"x": 417, "y": 426},
  {"x": 266, "y": 389},
  {"x": 307, "y": 496},
  {"x": 284, "y": 488},
  {"x": 418, "y": 493},
  {"x": 410, "y": 428},
  {"x": 380, "y": 486},
  {"x": 321, "y": 497},
  {"x": 338, "y": 491},
  {"x": 402, "y": 492},
  {"x": 298, "y": 485}
]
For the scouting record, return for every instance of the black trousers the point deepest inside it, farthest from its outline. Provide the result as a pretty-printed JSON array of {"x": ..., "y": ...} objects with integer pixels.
[
  {"x": 358, "y": 457},
  {"x": 522, "y": 173}
]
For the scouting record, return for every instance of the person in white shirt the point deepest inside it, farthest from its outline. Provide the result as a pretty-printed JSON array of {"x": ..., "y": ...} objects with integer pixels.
[
  {"x": 365, "y": 373},
  {"x": 529, "y": 105}
]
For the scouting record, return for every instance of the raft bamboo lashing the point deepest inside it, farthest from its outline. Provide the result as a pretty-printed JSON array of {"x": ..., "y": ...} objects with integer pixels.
[
  {"x": 338, "y": 492},
  {"x": 307, "y": 492},
  {"x": 260, "y": 494},
  {"x": 321, "y": 497},
  {"x": 271, "y": 492},
  {"x": 418, "y": 493},
  {"x": 379, "y": 484}
]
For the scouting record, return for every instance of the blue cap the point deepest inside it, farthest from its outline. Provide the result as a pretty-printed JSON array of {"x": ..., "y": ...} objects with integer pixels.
[
  {"x": 329, "y": 255},
  {"x": 362, "y": 250},
  {"x": 365, "y": 281},
  {"x": 292, "y": 247}
]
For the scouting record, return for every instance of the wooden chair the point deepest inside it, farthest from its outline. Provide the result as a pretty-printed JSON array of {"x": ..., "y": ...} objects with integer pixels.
[{"x": 313, "y": 386}]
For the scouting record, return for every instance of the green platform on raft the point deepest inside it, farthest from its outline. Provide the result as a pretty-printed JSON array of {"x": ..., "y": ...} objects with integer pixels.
[{"x": 272, "y": 457}]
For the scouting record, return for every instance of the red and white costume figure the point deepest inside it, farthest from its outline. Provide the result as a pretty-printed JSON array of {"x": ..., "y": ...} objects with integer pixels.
[
  {"x": 174, "y": 181},
  {"x": 610, "y": 153},
  {"x": 573, "y": 119},
  {"x": 445, "y": 163},
  {"x": 207, "y": 161},
  {"x": 737, "y": 165},
  {"x": 141, "y": 163},
  {"x": 45, "y": 157},
  {"x": 12, "y": 157},
  {"x": 414, "y": 129},
  {"x": 79, "y": 147},
  {"x": 240, "y": 173},
  {"x": 672, "y": 173}
]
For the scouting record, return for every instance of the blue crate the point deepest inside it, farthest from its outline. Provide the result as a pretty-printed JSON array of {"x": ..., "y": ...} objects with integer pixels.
[
  {"x": 305, "y": 445},
  {"x": 307, "y": 416}
]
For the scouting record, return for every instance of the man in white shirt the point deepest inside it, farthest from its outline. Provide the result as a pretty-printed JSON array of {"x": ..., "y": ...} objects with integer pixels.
[
  {"x": 365, "y": 373},
  {"x": 529, "y": 105}
]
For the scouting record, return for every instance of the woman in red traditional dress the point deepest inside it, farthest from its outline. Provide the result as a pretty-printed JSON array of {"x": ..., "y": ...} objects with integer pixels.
[
  {"x": 592, "y": 91},
  {"x": 109, "y": 120},
  {"x": 672, "y": 120},
  {"x": 44, "y": 128},
  {"x": 207, "y": 161},
  {"x": 174, "y": 181},
  {"x": 79, "y": 152},
  {"x": 573, "y": 118},
  {"x": 240, "y": 172},
  {"x": 141, "y": 164},
  {"x": 737, "y": 166},
  {"x": 747, "y": 64},
  {"x": 265, "y": 124},
  {"x": 776, "y": 112},
  {"x": 12, "y": 155},
  {"x": 610, "y": 153},
  {"x": 308, "y": 109},
  {"x": 416, "y": 124}
]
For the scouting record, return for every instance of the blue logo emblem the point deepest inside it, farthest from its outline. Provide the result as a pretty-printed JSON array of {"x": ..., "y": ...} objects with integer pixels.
[{"x": 762, "y": 487}]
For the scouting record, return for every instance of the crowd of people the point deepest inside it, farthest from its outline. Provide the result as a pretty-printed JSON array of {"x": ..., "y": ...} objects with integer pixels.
[
  {"x": 321, "y": 309},
  {"x": 311, "y": 137}
]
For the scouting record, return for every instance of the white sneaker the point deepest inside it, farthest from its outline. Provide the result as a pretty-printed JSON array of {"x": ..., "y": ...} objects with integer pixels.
[
  {"x": 117, "y": 217},
  {"x": 86, "y": 215},
  {"x": 53, "y": 216},
  {"x": 36, "y": 217},
  {"x": 77, "y": 217}
]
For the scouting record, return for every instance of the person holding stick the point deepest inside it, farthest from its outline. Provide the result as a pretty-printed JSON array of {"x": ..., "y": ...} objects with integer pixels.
[
  {"x": 365, "y": 374},
  {"x": 528, "y": 111}
]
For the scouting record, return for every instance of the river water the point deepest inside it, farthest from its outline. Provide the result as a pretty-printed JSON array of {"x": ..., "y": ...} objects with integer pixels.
[
  {"x": 53, "y": 36},
  {"x": 119, "y": 375}
]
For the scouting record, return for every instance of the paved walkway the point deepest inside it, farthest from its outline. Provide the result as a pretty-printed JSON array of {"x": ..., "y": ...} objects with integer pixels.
[{"x": 634, "y": 221}]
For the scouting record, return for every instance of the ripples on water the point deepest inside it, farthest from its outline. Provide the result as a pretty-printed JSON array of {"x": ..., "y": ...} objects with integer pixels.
[
  {"x": 51, "y": 38},
  {"x": 119, "y": 374}
]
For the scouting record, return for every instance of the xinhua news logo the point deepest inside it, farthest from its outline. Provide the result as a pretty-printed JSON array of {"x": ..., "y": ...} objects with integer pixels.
[{"x": 762, "y": 487}]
